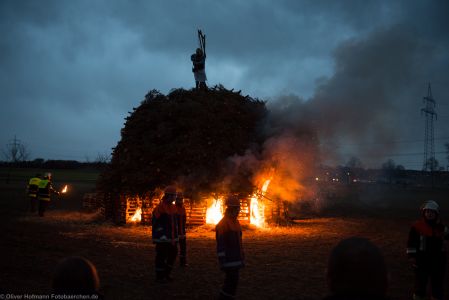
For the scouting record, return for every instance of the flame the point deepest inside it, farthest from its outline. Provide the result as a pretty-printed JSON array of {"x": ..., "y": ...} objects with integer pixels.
[
  {"x": 256, "y": 218},
  {"x": 64, "y": 190},
  {"x": 137, "y": 215},
  {"x": 265, "y": 186},
  {"x": 257, "y": 213},
  {"x": 214, "y": 213}
]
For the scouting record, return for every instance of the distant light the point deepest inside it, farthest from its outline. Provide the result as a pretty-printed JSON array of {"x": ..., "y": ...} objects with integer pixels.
[
  {"x": 354, "y": 180},
  {"x": 316, "y": 178}
]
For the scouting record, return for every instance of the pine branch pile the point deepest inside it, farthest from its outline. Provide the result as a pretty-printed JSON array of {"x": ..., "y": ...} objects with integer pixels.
[{"x": 183, "y": 138}]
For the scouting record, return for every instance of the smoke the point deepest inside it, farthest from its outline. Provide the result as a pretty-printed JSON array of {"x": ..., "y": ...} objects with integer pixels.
[
  {"x": 289, "y": 157},
  {"x": 373, "y": 98},
  {"x": 370, "y": 102}
]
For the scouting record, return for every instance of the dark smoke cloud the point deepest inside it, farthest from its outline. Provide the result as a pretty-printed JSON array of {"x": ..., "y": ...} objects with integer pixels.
[{"x": 374, "y": 97}]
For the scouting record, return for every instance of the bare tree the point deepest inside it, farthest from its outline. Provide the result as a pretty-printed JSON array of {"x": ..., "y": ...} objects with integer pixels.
[
  {"x": 16, "y": 151},
  {"x": 103, "y": 158},
  {"x": 354, "y": 163}
]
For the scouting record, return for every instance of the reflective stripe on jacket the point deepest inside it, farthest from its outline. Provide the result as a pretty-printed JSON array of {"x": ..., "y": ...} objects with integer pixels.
[
  {"x": 164, "y": 224},
  {"x": 229, "y": 243},
  {"x": 426, "y": 239},
  {"x": 182, "y": 220}
]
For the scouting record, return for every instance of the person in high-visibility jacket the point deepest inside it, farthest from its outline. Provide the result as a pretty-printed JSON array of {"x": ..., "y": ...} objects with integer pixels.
[
  {"x": 229, "y": 247},
  {"x": 44, "y": 193},
  {"x": 165, "y": 234},
  {"x": 182, "y": 220},
  {"x": 33, "y": 187},
  {"x": 427, "y": 252}
]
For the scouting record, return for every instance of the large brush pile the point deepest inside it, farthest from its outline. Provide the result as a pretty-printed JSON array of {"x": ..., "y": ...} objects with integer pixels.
[{"x": 185, "y": 138}]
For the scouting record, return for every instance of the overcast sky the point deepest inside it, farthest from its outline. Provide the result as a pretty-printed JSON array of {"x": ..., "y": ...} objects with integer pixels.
[{"x": 71, "y": 70}]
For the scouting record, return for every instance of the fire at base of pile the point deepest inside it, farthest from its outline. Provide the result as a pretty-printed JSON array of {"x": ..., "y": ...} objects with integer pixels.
[
  {"x": 209, "y": 210},
  {"x": 255, "y": 209},
  {"x": 251, "y": 211}
]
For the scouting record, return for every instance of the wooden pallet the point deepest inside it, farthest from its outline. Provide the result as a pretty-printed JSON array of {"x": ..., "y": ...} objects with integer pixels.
[
  {"x": 90, "y": 201},
  {"x": 196, "y": 215}
]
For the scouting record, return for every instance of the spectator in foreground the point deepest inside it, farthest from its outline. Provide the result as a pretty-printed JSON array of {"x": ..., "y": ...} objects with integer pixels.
[
  {"x": 76, "y": 276},
  {"x": 356, "y": 270}
]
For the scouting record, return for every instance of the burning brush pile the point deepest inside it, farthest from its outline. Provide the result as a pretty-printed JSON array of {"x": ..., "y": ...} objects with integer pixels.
[{"x": 209, "y": 144}]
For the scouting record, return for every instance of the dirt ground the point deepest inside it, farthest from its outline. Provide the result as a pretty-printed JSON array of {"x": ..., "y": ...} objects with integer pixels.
[{"x": 282, "y": 262}]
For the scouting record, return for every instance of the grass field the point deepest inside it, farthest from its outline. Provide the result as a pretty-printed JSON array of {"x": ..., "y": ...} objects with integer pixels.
[{"x": 282, "y": 262}]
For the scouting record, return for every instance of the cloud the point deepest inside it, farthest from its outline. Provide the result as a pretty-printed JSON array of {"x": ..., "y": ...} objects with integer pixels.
[{"x": 84, "y": 56}]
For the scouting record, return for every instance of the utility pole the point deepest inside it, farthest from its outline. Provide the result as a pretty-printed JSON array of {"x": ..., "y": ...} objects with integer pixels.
[
  {"x": 13, "y": 149},
  {"x": 429, "y": 141}
]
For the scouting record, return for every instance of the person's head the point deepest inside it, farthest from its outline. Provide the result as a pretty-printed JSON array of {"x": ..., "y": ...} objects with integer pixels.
[
  {"x": 199, "y": 52},
  {"x": 75, "y": 275},
  {"x": 356, "y": 267},
  {"x": 430, "y": 210},
  {"x": 47, "y": 176},
  {"x": 179, "y": 198},
  {"x": 169, "y": 194},
  {"x": 232, "y": 203}
]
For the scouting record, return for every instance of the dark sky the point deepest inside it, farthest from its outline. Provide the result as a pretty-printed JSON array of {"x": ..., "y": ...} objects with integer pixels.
[{"x": 71, "y": 70}]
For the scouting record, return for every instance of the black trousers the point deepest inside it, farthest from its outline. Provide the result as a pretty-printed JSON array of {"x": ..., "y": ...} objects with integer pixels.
[
  {"x": 182, "y": 251},
  {"x": 165, "y": 257},
  {"x": 434, "y": 270},
  {"x": 43, "y": 207},
  {"x": 33, "y": 203},
  {"x": 229, "y": 289}
]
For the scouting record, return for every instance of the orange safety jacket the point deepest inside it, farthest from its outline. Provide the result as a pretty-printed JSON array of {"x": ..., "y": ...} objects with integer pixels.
[
  {"x": 426, "y": 239},
  {"x": 229, "y": 243},
  {"x": 164, "y": 224}
]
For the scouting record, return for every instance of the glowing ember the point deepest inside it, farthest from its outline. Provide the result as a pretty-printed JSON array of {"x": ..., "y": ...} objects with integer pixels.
[
  {"x": 137, "y": 216},
  {"x": 64, "y": 190},
  {"x": 214, "y": 213}
]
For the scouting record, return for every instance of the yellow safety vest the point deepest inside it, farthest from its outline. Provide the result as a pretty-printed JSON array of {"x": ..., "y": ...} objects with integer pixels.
[
  {"x": 44, "y": 190},
  {"x": 33, "y": 186}
]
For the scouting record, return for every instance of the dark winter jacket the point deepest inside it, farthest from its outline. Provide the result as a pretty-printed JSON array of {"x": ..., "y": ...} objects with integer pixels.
[
  {"x": 182, "y": 220},
  {"x": 229, "y": 243},
  {"x": 199, "y": 62},
  {"x": 164, "y": 223},
  {"x": 426, "y": 239}
]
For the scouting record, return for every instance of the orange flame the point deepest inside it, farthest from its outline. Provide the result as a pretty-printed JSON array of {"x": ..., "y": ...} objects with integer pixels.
[
  {"x": 214, "y": 213},
  {"x": 257, "y": 213},
  {"x": 137, "y": 215},
  {"x": 64, "y": 190}
]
